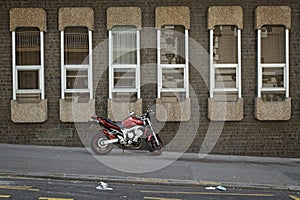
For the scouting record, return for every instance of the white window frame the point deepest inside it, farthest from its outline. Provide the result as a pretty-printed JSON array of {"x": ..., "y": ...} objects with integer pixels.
[
  {"x": 16, "y": 68},
  {"x": 284, "y": 66},
  {"x": 113, "y": 67},
  {"x": 214, "y": 67},
  {"x": 185, "y": 67},
  {"x": 65, "y": 67}
]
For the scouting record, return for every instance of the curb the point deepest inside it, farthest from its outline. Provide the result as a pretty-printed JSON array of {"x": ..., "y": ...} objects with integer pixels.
[
  {"x": 237, "y": 158},
  {"x": 152, "y": 181}
]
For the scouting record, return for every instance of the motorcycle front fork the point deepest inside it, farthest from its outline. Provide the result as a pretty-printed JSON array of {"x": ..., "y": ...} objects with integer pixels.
[{"x": 153, "y": 132}]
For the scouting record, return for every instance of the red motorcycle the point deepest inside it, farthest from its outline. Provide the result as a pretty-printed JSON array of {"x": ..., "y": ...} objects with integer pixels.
[{"x": 129, "y": 134}]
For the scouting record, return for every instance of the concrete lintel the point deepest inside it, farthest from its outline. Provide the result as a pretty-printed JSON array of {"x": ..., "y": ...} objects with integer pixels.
[
  {"x": 28, "y": 17},
  {"x": 124, "y": 16},
  {"x": 273, "y": 15},
  {"x": 75, "y": 16},
  {"x": 172, "y": 15},
  {"x": 225, "y": 15}
]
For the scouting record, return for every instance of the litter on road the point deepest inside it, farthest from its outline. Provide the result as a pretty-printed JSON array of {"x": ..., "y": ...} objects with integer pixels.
[
  {"x": 210, "y": 188},
  {"x": 220, "y": 187},
  {"x": 103, "y": 186}
]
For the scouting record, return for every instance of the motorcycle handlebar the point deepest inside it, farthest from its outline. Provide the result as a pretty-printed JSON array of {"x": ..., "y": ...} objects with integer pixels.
[{"x": 148, "y": 112}]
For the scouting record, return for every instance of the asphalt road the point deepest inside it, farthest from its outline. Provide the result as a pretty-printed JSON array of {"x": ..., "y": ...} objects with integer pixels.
[{"x": 49, "y": 189}]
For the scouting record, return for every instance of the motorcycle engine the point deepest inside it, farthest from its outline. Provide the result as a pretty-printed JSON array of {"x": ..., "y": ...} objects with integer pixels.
[
  {"x": 130, "y": 135},
  {"x": 138, "y": 134},
  {"x": 134, "y": 135}
]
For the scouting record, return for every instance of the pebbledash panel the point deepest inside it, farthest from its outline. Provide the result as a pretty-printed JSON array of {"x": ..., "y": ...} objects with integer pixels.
[{"x": 223, "y": 70}]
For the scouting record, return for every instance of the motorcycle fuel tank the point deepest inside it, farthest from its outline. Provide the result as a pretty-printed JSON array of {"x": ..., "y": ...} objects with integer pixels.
[{"x": 132, "y": 121}]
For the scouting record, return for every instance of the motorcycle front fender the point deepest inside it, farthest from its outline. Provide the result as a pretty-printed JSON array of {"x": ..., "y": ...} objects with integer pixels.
[{"x": 153, "y": 147}]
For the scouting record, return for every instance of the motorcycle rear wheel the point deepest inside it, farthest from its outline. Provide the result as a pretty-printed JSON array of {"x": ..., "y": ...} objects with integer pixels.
[
  {"x": 97, "y": 147},
  {"x": 153, "y": 147}
]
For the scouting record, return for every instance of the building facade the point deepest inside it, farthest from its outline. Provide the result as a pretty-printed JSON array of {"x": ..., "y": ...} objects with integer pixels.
[{"x": 222, "y": 76}]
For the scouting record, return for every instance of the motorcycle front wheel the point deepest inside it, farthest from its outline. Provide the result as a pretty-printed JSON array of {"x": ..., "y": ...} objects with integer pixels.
[
  {"x": 98, "y": 147},
  {"x": 155, "y": 149}
]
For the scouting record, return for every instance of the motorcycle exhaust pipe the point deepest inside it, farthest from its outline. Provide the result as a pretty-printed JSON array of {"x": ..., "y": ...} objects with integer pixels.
[{"x": 109, "y": 141}]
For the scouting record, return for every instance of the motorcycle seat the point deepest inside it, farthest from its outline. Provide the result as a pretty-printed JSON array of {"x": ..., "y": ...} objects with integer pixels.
[{"x": 119, "y": 124}]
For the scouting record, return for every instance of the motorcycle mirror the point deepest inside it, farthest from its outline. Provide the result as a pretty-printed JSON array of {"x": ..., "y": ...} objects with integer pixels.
[
  {"x": 131, "y": 113},
  {"x": 149, "y": 108}
]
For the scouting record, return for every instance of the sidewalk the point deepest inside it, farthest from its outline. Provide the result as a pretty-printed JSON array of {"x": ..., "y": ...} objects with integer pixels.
[{"x": 140, "y": 167}]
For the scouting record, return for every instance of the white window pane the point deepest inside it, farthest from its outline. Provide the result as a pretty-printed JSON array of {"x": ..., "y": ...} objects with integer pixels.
[
  {"x": 76, "y": 45},
  {"x": 28, "y": 79},
  {"x": 225, "y": 78},
  {"x": 172, "y": 44},
  {"x": 273, "y": 44},
  {"x": 273, "y": 96},
  {"x": 272, "y": 77},
  {"x": 77, "y": 79},
  {"x": 124, "y": 97},
  {"x": 124, "y": 78},
  {"x": 78, "y": 97},
  {"x": 173, "y": 78},
  {"x": 28, "y": 46},
  {"x": 225, "y": 96},
  {"x": 173, "y": 97},
  {"x": 29, "y": 98},
  {"x": 225, "y": 44},
  {"x": 124, "y": 45}
]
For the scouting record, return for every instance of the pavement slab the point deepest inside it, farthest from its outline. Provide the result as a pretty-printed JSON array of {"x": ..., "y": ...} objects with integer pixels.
[{"x": 170, "y": 168}]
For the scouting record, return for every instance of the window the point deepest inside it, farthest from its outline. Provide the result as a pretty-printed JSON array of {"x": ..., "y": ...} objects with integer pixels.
[
  {"x": 76, "y": 63},
  {"x": 28, "y": 64},
  {"x": 273, "y": 58},
  {"x": 172, "y": 63},
  {"x": 124, "y": 61},
  {"x": 225, "y": 63}
]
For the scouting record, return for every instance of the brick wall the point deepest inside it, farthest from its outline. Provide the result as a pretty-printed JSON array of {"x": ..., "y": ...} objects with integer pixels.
[{"x": 247, "y": 137}]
